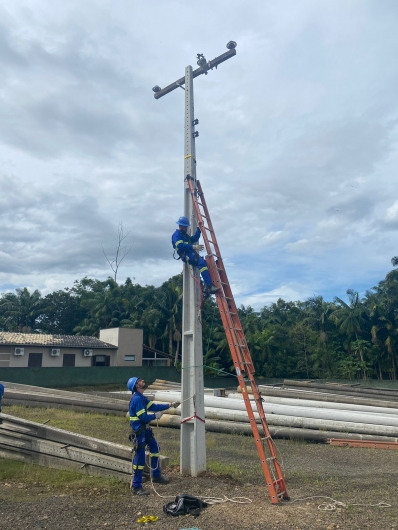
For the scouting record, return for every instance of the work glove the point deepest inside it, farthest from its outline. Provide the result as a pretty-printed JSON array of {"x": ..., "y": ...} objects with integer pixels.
[
  {"x": 158, "y": 415},
  {"x": 176, "y": 404},
  {"x": 198, "y": 247}
]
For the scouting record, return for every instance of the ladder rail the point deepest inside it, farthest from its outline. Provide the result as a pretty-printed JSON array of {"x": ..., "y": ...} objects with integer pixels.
[{"x": 236, "y": 339}]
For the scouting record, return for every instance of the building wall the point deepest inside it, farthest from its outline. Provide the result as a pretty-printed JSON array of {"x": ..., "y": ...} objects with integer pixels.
[
  {"x": 129, "y": 343},
  {"x": 8, "y": 359}
]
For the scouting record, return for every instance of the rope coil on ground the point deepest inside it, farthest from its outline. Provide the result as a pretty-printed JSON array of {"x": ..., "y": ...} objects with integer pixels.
[{"x": 334, "y": 505}]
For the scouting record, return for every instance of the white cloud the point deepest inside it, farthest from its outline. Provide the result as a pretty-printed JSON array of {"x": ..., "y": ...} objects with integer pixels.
[
  {"x": 297, "y": 152},
  {"x": 392, "y": 213},
  {"x": 286, "y": 292}
]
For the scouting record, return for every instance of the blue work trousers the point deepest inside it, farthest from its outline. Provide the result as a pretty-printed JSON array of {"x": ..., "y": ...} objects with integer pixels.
[
  {"x": 145, "y": 439},
  {"x": 195, "y": 260}
]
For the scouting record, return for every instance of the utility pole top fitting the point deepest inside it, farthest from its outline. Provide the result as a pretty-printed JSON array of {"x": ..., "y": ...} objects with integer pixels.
[{"x": 204, "y": 67}]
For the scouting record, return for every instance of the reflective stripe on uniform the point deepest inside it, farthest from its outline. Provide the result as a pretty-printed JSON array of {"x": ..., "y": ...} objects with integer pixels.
[
  {"x": 138, "y": 467},
  {"x": 203, "y": 269},
  {"x": 142, "y": 411},
  {"x": 149, "y": 405},
  {"x": 178, "y": 242},
  {"x": 134, "y": 418}
]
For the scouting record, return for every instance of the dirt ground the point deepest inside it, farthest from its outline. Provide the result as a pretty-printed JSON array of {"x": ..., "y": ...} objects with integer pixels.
[{"x": 359, "y": 478}]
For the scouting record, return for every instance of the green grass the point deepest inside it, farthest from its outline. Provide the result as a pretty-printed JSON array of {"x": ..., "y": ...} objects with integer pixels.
[
  {"x": 55, "y": 479},
  {"x": 113, "y": 428}
]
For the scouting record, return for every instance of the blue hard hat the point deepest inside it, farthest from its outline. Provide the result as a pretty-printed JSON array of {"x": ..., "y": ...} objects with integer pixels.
[
  {"x": 183, "y": 221},
  {"x": 131, "y": 383}
]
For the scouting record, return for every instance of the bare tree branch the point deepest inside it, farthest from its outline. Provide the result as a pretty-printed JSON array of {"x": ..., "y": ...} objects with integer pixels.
[{"x": 120, "y": 251}]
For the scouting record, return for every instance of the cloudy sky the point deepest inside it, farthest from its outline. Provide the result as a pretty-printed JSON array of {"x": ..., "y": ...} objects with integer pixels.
[{"x": 297, "y": 153}]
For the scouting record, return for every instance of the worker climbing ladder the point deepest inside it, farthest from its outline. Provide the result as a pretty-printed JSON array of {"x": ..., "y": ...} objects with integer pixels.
[{"x": 238, "y": 346}]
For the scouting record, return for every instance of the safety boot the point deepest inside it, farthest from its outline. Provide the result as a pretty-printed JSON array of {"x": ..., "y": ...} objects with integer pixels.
[
  {"x": 160, "y": 480},
  {"x": 211, "y": 289},
  {"x": 140, "y": 491}
]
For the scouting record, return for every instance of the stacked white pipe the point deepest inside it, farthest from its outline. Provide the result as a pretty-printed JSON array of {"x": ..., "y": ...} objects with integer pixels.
[{"x": 293, "y": 417}]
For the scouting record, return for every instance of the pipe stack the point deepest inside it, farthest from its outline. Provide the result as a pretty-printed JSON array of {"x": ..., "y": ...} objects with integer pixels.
[{"x": 295, "y": 417}]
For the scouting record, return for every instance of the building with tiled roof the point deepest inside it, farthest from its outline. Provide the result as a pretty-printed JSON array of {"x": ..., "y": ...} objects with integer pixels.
[
  {"x": 116, "y": 347},
  {"x": 73, "y": 341}
]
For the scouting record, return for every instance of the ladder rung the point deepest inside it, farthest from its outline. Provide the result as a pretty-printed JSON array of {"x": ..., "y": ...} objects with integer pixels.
[{"x": 237, "y": 341}]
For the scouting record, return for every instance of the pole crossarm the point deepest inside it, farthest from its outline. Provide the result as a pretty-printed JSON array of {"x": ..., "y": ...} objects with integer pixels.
[{"x": 199, "y": 71}]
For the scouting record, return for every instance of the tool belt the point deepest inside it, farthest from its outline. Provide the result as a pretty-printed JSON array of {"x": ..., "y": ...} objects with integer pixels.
[
  {"x": 135, "y": 435},
  {"x": 192, "y": 261}
]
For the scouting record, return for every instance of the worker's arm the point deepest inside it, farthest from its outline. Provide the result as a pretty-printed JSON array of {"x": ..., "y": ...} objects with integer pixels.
[
  {"x": 196, "y": 236},
  {"x": 180, "y": 244},
  {"x": 157, "y": 407},
  {"x": 138, "y": 411}
]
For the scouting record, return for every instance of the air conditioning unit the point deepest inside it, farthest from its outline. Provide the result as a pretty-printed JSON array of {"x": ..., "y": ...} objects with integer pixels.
[
  {"x": 87, "y": 353},
  {"x": 55, "y": 352},
  {"x": 19, "y": 351}
]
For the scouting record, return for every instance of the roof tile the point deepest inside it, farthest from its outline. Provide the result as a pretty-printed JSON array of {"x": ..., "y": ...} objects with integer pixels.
[{"x": 37, "y": 339}]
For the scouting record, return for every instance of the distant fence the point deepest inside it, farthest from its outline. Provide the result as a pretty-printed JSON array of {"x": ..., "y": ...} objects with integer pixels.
[{"x": 65, "y": 377}]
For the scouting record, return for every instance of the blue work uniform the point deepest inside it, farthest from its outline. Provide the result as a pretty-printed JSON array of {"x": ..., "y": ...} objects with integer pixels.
[
  {"x": 182, "y": 243},
  {"x": 139, "y": 421}
]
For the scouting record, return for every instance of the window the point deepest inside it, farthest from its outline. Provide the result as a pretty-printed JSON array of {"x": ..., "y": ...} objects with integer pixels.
[
  {"x": 68, "y": 359},
  {"x": 35, "y": 360},
  {"x": 129, "y": 357},
  {"x": 101, "y": 360}
]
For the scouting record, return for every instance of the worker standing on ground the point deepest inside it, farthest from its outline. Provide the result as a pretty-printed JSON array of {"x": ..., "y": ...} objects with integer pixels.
[
  {"x": 187, "y": 248},
  {"x": 142, "y": 435}
]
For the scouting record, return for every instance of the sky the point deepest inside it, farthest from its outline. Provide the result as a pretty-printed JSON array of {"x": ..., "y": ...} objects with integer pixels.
[{"x": 297, "y": 151}]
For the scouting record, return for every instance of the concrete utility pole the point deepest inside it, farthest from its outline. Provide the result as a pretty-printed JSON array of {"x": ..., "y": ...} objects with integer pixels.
[{"x": 193, "y": 443}]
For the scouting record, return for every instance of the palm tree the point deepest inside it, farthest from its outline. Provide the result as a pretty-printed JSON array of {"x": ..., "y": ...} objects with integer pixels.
[
  {"x": 352, "y": 319},
  {"x": 318, "y": 313},
  {"x": 21, "y": 310}
]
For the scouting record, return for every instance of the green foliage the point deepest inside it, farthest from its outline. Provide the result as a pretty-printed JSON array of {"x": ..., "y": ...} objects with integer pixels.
[{"x": 352, "y": 338}]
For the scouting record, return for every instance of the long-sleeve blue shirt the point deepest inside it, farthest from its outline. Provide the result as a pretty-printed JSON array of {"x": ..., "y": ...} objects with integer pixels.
[
  {"x": 182, "y": 242},
  {"x": 139, "y": 406}
]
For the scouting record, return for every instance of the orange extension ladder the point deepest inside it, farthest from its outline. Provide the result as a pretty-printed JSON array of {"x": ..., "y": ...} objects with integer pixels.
[{"x": 238, "y": 346}]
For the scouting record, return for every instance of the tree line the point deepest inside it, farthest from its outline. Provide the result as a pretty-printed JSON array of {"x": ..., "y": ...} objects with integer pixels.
[{"x": 342, "y": 339}]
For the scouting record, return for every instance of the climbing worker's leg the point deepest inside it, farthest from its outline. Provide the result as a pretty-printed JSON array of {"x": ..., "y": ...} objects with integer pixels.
[{"x": 204, "y": 271}]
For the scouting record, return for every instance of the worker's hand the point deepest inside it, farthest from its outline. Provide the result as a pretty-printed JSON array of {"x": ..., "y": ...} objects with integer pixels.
[
  {"x": 176, "y": 404},
  {"x": 198, "y": 247},
  {"x": 159, "y": 414}
]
